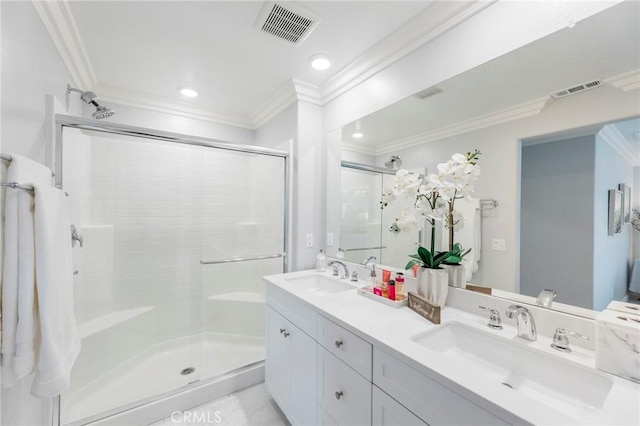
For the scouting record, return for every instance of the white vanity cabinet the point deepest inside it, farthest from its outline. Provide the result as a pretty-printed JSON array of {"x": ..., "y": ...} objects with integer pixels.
[
  {"x": 290, "y": 370},
  {"x": 321, "y": 373}
]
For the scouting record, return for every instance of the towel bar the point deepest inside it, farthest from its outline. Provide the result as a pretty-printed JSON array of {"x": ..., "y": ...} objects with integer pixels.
[
  {"x": 16, "y": 185},
  {"x": 238, "y": 259}
]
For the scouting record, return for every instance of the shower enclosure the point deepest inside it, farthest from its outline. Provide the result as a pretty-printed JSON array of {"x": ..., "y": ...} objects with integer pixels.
[
  {"x": 177, "y": 232},
  {"x": 364, "y": 226}
]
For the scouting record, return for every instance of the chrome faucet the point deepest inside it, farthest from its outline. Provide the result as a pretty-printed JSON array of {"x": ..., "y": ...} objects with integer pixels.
[
  {"x": 366, "y": 261},
  {"x": 524, "y": 321},
  {"x": 545, "y": 298},
  {"x": 336, "y": 264}
]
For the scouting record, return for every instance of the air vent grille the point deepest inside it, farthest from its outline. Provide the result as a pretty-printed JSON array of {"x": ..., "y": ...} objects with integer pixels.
[
  {"x": 292, "y": 23},
  {"x": 575, "y": 89}
]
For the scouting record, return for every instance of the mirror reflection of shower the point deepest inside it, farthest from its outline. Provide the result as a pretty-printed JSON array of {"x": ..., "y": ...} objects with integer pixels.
[
  {"x": 92, "y": 99},
  {"x": 393, "y": 163}
]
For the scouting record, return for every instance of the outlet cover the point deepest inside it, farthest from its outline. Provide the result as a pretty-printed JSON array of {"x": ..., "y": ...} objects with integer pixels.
[
  {"x": 309, "y": 240},
  {"x": 329, "y": 239},
  {"x": 498, "y": 244}
]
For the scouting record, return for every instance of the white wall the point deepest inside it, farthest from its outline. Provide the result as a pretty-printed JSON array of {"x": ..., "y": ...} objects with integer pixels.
[
  {"x": 299, "y": 129},
  {"x": 31, "y": 68}
]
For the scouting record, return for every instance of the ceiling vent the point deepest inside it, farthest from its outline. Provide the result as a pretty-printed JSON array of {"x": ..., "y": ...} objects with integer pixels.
[
  {"x": 576, "y": 89},
  {"x": 426, "y": 93},
  {"x": 290, "y": 23}
]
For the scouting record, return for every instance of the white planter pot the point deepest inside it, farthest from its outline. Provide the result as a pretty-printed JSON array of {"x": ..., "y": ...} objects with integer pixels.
[
  {"x": 457, "y": 275},
  {"x": 433, "y": 284}
]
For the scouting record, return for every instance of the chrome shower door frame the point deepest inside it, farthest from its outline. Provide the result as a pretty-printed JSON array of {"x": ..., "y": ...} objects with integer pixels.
[{"x": 62, "y": 121}]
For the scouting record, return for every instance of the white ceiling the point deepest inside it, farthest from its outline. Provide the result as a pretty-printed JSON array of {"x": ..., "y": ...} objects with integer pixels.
[
  {"x": 602, "y": 46},
  {"x": 152, "y": 48}
]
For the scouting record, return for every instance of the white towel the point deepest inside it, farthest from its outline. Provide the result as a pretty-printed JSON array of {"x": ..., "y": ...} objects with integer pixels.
[
  {"x": 469, "y": 236},
  {"x": 59, "y": 339},
  {"x": 18, "y": 275}
]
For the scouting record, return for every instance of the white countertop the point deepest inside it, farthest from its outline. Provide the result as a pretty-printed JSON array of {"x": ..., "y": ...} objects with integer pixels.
[{"x": 391, "y": 329}]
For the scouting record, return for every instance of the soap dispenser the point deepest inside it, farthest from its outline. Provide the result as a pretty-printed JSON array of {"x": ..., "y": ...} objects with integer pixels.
[{"x": 321, "y": 262}]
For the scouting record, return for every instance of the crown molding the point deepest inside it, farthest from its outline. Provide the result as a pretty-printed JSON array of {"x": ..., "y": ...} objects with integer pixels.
[
  {"x": 431, "y": 23},
  {"x": 358, "y": 148},
  {"x": 626, "y": 81},
  {"x": 168, "y": 106},
  {"x": 293, "y": 91},
  {"x": 59, "y": 22},
  {"x": 612, "y": 136},
  {"x": 434, "y": 21},
  {"x": 516, "y": 112}
]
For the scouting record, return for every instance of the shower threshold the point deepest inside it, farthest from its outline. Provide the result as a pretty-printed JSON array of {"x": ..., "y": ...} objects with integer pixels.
[{"x": 129, "y": 385}]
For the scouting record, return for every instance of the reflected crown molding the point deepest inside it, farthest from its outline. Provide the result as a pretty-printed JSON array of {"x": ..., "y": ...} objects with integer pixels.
[
  {"x": 620, "y": 144},
  {"x": 626, "y": 81},
  {"x": 516, "y": 112}
]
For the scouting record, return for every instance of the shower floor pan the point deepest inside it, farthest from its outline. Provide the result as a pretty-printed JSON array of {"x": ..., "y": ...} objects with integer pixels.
[{"x": 158, "y": 370}]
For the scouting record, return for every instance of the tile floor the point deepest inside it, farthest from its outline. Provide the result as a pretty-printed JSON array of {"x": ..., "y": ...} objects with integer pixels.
[{"x": 260, "y": 409}]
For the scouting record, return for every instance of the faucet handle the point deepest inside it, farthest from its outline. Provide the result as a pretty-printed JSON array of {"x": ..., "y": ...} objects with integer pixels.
[
  {"x": 495, "y": 321},
  {"x": 354, "y": 276},
  {"x": 561, "y": 341},
  {"x": 335, "y": 270}
]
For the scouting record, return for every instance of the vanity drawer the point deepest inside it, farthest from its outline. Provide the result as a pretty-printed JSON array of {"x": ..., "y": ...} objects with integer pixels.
[
  {"x": 348, "y": 347},
  {"x": 342, "y": 393},
  {"x": 428, "y": 399}
]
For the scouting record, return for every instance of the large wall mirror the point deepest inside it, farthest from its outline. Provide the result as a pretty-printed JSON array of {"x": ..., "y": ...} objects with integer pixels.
[{"x": 557, "y": 124}]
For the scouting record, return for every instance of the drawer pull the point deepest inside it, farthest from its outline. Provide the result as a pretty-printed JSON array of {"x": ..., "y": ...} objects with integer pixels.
[
  {"x": 339, "y": 394},
  {"x": 338, "y": 344}
]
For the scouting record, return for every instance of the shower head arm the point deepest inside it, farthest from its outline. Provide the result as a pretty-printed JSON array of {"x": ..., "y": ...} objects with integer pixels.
[{"x": 73, "y": 89}]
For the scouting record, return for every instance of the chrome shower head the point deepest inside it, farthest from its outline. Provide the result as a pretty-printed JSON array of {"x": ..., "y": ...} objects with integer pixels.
[
  {"x": 102, "y": 112},
  {"x": 393, "y": 163},
  {"x": 91, "y": 98}
]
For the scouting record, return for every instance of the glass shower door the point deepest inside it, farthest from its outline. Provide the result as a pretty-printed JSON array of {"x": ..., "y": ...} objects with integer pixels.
[
  {"x": 131, "y": 199},
  {"x": 243, "y": 212}
]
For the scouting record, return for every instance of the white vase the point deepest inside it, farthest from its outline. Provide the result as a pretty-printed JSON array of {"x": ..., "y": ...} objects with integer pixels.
[
  {"x": 457, "y": 275},
  {"x": 433, "y": 284}
]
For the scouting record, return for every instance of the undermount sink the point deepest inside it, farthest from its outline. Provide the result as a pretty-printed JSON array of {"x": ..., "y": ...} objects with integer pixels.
[
  {"x": 542, "y": 377},
  {"x": 320, "y": 285}
]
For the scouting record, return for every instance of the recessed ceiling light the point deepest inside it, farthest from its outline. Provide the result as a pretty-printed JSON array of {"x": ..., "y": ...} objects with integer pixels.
[
  {"x": 189, "y": 93},
  {"x": 320, "y": 62},
  {"x": 357, "y": 134}
]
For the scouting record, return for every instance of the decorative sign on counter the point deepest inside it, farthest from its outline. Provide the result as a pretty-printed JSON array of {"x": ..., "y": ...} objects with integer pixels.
[{"x": 423, "y": 307}]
